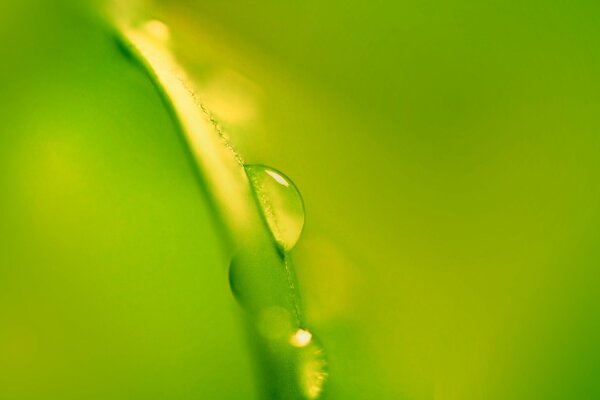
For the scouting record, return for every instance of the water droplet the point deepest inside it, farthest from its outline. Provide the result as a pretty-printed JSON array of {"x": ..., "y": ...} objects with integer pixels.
[
  {"x": 281, "y": 204},
  {"x": 260, "y": 282},
  {"x": 301, "y": 338},
  {"x": 312, "y": 365},
  {"x": 157, "y": 30}
]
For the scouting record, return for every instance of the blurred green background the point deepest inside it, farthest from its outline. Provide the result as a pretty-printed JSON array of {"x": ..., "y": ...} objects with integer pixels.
[{"x": 447, "y": 152}]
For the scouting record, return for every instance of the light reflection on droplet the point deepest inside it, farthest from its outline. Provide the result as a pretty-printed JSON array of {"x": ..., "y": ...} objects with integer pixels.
[
  {"x": 280, "y": 179},
  {"x": 301, "y": 338}
]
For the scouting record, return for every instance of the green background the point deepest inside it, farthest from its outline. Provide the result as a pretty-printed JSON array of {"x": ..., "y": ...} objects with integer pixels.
[{"x": 447, "y": 152}]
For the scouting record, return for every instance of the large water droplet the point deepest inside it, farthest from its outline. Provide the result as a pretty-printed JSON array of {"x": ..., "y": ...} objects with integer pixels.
[
  {"x": 260, "y": 282},
  {"x": 281, "y": 204}
]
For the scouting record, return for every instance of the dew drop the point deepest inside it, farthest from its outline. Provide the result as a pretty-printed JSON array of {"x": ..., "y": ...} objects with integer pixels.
[
  {"x": 157, "y": 30},
  {"x": 301, "y": 338},
  {"x": 280, "y": 202}
]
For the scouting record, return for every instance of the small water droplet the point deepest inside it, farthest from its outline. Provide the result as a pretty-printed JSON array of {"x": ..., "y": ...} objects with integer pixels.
[
  {"x": 301, "y": 338},
  {"x": 281, "y": 204},
  {"x": 158, "y": 30}
]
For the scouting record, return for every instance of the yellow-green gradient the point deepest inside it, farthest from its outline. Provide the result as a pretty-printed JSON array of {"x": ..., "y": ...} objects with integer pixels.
[{"x": 447, "y": 154}]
